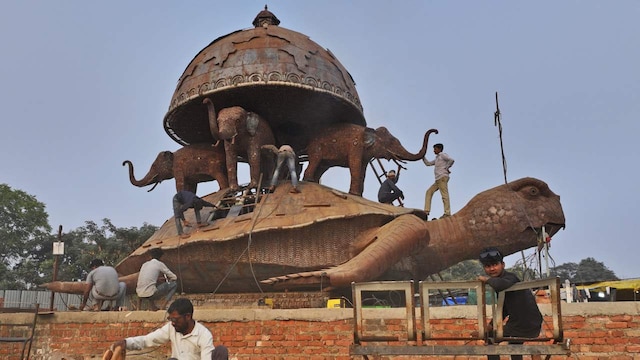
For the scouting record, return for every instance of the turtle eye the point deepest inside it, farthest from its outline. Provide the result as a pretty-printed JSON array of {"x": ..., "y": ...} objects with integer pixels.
[{"x": 530, "y": 191}]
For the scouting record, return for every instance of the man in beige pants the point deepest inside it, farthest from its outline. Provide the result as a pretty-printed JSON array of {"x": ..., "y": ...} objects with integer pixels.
[{"x": 441, "y": 170}]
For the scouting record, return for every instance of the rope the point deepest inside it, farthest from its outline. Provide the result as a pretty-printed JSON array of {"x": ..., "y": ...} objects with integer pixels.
[
  {"x": 496, "y": 120},
  {"x": 247, "y": 249}
]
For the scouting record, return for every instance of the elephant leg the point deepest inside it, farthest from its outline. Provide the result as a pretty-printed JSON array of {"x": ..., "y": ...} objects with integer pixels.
[
  {"x": 253, "y": 156},
  {"x": 180, "y": 183},
  {"x": 309, "y": 172},
  {"x": 221, "y": 176},
  {"x": 232, "y": 165},
  {"x": 357, "y": 176}
]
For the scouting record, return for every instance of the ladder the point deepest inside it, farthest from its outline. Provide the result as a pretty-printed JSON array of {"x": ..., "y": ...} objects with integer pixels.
[{"x": 382, "y": 173}]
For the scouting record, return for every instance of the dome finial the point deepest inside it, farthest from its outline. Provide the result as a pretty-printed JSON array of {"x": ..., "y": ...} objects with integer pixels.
[{"x": 265, "y": 17}]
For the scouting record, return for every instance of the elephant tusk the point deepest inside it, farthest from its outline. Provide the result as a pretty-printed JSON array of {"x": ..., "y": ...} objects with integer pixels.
[{"x": 154, "y": 186}]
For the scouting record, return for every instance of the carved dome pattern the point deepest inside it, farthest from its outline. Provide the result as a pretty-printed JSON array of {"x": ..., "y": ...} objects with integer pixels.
[{"x": 280, "y": 74}]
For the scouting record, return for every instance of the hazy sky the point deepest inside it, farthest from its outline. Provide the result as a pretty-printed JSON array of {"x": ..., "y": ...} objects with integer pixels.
[{"x": 85, "y": 85}]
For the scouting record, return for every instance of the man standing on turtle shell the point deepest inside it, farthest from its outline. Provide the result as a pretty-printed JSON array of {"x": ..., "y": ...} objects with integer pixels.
[
  {"x": 524, "y": 317},
  {"x": 441, "y": 170}
]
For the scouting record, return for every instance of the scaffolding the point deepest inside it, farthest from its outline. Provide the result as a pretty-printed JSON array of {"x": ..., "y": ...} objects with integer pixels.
[{"x": 408, "y": 343}]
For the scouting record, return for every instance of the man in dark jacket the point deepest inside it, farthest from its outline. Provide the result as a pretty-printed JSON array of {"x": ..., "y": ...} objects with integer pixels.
[
  {"x": 184, "y": 200},
  {"x": 524, "y": 317},
  {"x": 389, "y": 192}
]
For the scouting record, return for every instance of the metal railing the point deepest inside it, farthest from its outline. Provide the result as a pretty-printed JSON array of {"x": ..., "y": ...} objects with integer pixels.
[{"x": 428, "y": 343}]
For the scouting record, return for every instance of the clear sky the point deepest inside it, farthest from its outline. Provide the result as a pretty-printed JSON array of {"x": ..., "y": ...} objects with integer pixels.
[{"x": 86, "y": 84}]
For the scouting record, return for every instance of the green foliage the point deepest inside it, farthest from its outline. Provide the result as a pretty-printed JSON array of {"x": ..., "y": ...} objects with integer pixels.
[
  {"x": 26, "y": 248},
  {"x": 588, "y": 270},
  {"x": 24, "y": 230},
  {"x": 591, "y": 270},
  {"x": 106, "y": 242},
  {"x": 566, "y": 271},
  {"x": 464, "y": 270}
]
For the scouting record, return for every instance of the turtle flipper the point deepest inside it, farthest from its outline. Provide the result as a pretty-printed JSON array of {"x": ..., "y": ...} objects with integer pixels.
[{"x": 400, "y": 237}]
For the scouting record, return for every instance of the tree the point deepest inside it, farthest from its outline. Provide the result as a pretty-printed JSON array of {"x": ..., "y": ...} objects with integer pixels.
[
  {"x": 24, "y": 233},
  {"x": 26, "y": 243},
  {"x": 464, "y": 270},
  {"x": 566, "y": 271},
  {"x": 106, "y": 242},
  {"x": 588, "y": 270},
  {"x": 591, "y": 270}
]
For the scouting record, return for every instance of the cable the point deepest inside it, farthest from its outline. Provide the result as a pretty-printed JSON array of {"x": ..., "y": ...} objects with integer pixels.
[{"x": 246, "y": 250}]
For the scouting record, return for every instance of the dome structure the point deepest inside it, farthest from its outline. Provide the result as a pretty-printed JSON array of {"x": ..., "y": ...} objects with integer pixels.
[{"x": 280, "y": 74}]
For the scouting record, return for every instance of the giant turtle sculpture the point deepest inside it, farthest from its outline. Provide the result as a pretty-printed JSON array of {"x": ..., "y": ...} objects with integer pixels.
[
  {"x": 323, "y": 238},
  {"x": 320, "y": 238}
]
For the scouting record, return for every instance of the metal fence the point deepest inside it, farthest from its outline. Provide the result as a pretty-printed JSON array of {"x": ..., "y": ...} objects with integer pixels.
[{"x": 28, "y": 298}]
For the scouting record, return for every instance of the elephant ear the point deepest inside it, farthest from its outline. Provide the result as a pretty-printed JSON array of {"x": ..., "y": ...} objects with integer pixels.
[
  {"x": 369, "y": 137},
  {"x": 167, "y": 162},
  {"x": 252, "y": 123}
]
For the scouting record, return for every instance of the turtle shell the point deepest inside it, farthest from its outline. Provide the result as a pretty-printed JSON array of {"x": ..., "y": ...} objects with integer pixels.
[{"x": 295, "y": 84}]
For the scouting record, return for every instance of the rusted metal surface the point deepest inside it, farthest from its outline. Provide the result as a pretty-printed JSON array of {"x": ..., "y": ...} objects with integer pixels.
[
  {"x": 189, "y": 165},
  {"x": 325, "y": 239},
  {"x": 280, "y": 74},
  {"x": 320, "y": 238}
]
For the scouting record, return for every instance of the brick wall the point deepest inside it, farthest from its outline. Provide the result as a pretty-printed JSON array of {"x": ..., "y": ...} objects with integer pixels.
[{"x": 596, "y": 330}]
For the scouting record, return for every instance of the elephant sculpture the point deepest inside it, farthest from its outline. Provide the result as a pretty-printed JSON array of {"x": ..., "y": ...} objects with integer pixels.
[
  {"x": 243, "y": 134},
  {"x": 189, "y": 165},
  {"x": 353, "y": 146}
]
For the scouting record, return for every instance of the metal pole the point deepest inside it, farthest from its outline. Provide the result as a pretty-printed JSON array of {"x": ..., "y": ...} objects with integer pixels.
[
  {"x": 546, "y": 250},
  {"x": 55, "y": 267}
]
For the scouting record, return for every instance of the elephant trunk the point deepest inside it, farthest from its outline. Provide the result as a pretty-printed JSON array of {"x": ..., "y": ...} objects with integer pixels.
[
  {"x": 403, "y": 154},
  {"x": 213, "y": 120},
  {"x": 149, "y": 179}
]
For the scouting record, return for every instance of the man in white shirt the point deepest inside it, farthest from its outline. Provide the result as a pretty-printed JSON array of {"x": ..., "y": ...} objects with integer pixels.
[
  {"x": 190, "y": 340},
  {"x": 285, "y": 155},
  {"x": 442, "y": 164},
  {"x": 148, "y": 287}
]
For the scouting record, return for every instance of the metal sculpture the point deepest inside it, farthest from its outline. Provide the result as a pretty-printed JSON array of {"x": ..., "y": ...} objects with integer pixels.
[
  {"x": 189, "y": 165},
  {"x": 284, "y": 76},
  {"x": 325, "y": 238},
  {"x": 320, "y": 238},
  {"x": 243, "y": 134},
  {"x": 353, "y": 146}
]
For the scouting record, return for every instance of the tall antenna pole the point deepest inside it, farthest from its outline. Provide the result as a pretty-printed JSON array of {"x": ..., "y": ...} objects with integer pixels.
[{"x": 496, "y": 120}]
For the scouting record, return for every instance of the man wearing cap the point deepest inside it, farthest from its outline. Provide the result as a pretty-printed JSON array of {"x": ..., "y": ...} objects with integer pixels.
[
  {"x": 524, "y": 317},
  {"x": 388, "y": 191}
]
